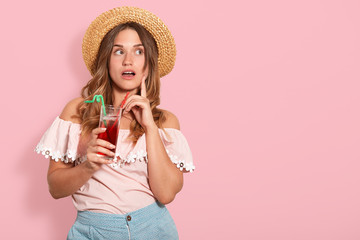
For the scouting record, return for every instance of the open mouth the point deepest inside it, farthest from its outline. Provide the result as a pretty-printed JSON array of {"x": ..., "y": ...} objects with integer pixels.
[{"x": 128, "y": 73}]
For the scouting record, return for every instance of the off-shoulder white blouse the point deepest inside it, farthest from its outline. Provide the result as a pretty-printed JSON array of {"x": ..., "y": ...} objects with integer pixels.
[{"x": 120, "y": 187}]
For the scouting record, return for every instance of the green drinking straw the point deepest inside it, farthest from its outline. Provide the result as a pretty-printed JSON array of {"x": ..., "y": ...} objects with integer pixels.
[{"x": 99, "y": 98}]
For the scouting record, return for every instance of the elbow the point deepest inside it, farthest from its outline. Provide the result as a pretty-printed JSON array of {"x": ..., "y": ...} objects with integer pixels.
[
  {"x": 166, "y": 194},
  {"x": 55, "y": 189},
  {"x": 169, "y": 196},
  {"x": 54, "y": 194},
  {"x": 166, "y": 198}
]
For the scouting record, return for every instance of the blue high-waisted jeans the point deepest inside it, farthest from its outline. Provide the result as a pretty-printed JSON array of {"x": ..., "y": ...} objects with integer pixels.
[{"x": 148, "y": 223}]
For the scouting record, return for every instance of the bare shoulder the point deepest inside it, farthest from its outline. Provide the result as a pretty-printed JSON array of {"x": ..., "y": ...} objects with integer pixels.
[
  {"x": 171, "y": 120},
  {"x": 70, "y": 111}
]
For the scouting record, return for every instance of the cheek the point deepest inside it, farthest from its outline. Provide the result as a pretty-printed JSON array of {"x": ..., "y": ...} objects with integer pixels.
[
  {"x": 112, "y": 67},
  {"x": 111, "y": 72}
]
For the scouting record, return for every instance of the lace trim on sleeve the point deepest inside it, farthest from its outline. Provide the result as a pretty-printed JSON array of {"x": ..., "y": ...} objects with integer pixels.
[
  {"x": 180, "y": 163},
  {"x": 68, "y": 157},
  {"x": 60, "y": 141}
]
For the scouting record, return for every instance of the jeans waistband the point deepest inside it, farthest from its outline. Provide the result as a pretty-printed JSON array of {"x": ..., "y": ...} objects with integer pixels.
[{"x": 116, "y": 220}]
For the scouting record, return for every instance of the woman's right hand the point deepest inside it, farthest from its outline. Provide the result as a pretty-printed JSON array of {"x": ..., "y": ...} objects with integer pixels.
[{"x": 95, "y": 146}]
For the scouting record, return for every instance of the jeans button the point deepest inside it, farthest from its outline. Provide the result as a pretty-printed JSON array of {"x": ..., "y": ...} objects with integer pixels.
[{"x": 128, "y": 218}]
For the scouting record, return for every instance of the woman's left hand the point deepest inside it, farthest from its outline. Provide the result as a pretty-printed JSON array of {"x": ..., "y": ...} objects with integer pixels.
[{"x": 140, "y": 106}]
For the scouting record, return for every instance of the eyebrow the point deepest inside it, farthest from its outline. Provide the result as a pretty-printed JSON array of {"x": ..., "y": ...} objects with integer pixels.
[{"x": 136, "y": 45}]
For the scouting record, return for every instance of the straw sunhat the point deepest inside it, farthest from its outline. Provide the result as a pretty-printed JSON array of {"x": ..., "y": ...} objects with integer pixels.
[{"x": 110, "y": 19}]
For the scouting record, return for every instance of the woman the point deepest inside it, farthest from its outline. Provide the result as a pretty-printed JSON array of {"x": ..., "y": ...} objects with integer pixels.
[{"x": 126, "y": 50}]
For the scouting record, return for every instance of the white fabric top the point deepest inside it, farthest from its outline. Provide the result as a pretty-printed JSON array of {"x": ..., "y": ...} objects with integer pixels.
[{"x": 120, "y": 187}]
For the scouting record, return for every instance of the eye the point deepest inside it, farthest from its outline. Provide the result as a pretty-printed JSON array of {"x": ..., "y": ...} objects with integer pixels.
[
  {"x": 139, "y": 51},
  {"x": 118, "y": 52}
]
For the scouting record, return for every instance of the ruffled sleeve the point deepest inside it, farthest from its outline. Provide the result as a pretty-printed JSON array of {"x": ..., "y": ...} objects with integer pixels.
[
  {"x": 178, "y": 149},
  {"x": 60, "y": 141}
]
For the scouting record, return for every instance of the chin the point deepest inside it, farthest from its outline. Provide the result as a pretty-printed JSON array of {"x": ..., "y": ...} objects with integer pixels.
[{"x": 127, "y": 86}]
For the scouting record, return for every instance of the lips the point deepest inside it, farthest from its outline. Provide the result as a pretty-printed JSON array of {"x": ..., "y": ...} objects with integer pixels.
[{"x": 128, "y": 74}]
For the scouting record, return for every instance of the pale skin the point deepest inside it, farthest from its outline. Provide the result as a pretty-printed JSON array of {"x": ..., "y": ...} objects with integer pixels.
[{"x": 165, "y": 179}]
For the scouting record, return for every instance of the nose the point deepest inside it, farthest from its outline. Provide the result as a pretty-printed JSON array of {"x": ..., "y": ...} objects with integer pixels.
[{"x": 127, "y": 59}]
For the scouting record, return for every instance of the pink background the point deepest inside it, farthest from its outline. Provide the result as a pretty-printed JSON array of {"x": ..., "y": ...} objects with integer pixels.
[{"x": 267, "y": 93}]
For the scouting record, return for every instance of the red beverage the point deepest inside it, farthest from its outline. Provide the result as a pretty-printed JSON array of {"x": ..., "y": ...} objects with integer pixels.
[{"x": 111, "y": 124}]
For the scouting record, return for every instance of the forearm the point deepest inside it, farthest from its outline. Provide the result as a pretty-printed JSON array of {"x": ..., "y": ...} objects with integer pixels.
[
  {"x": 165, "y": 179},
  {"x": 66, "y": 181}
]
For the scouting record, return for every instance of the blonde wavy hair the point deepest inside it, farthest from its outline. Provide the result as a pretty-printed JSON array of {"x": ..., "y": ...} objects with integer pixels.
[{"x": 101, "y": 82}]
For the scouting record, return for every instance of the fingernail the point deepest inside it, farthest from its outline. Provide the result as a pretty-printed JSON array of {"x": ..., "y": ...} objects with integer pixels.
[
  {"x": 112, "y": 146},
  {"x": 103, "y": 129}
]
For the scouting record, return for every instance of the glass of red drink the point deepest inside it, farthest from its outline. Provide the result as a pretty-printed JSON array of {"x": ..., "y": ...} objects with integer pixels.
[{"x": 110, "y": 119}]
